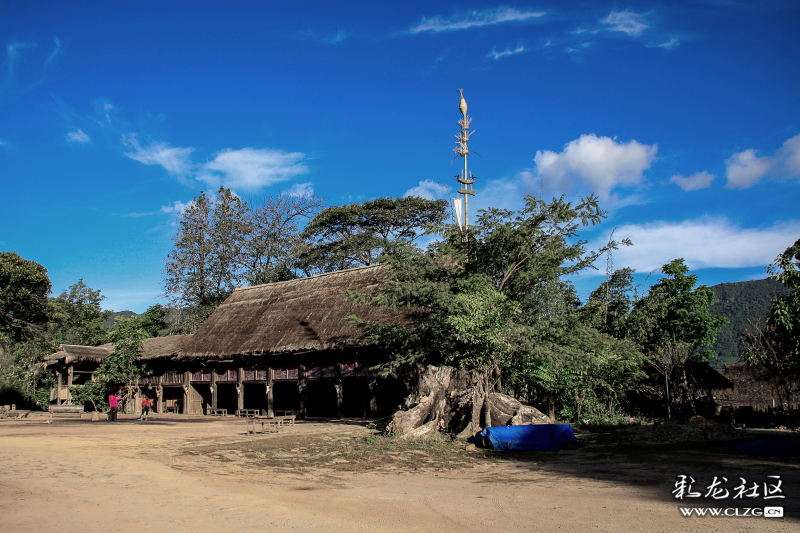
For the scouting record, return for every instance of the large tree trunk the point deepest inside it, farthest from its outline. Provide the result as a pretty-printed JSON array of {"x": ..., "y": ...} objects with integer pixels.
[{"x": 446, "y": 399}]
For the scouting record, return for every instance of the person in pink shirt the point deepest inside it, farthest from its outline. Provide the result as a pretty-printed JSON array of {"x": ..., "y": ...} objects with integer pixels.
[{"x": 112, "y": 403}]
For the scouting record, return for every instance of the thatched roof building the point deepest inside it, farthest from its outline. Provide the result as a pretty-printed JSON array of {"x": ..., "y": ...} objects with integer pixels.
[
  {"x": 305, "y": 314},
  {"x": 155, "y": 348}
]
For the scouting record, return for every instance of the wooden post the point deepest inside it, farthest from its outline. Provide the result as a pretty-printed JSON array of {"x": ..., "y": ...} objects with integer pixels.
[
  {"x": 58, "y": 391},
  {"x": 270, "y": 393},
  {"x": 213, "y": 389},
  {"x": 240, "y": 399},
  {"x": 373, "y": 400},
  {"x": 187, "y": 381},
  {"x": 339, "y": 390},
  {"x": 301, "y": 385},
  {"x": 160, "y": 392}
]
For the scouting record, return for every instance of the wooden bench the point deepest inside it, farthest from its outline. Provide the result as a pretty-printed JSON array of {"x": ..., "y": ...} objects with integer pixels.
[
  {"x": 247, "y": 413},
  {"x": 13, "y": 413},
  {"x": 66, "y": 410},
  {"x": 287, "y": 419},
  {"x": 218, "y": 412},
  {"x": 269, "y": 424}
]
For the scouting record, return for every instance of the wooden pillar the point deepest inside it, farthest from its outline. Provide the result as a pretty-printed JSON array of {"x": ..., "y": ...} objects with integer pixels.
[
  {"x": 240, "y": 389},
  {"x": 339, "y": 390},
  {"x": 373, "y": 400},
  {"x": 213, "y": 388},
  {"x": 187, "y": 380},
  {"x": 160, "y": 394},
  {"x": 58, "y": 390},
  {"x": 301, "y": 386},
  {"x": 270, "y": 392}
]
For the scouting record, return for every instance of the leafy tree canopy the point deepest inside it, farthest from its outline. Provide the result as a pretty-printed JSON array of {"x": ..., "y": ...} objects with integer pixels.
[
  {"x": 358, "y": 234},
  {"x": 77, "y": 318},
  {"x": 24, "y": 286}
]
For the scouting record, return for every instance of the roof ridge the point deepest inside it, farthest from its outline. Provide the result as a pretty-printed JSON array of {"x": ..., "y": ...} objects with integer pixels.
[{"x": 297, "y": 280}]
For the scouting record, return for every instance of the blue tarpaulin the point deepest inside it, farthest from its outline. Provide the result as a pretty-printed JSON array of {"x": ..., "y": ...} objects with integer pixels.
[
  {"x": 790, "y": 448},
  {"x": 539, "y": 437}
]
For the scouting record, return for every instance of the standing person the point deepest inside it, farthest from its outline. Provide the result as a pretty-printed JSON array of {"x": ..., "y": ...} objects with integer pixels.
[
  {"x": 145, "y": 408},
  {"x": 112, "y": 403}
]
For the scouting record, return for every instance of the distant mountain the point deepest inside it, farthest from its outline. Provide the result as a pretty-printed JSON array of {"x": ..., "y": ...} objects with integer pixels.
[
  {"x": 740, "y": 302},
  {"x": 109, "y": 323}
]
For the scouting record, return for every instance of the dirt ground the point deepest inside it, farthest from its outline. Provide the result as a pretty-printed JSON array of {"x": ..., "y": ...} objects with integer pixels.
[{"x": 198, "y": 474}]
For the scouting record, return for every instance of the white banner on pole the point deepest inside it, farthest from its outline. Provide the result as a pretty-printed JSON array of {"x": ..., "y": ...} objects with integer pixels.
[{"x": 457, "y": 207}]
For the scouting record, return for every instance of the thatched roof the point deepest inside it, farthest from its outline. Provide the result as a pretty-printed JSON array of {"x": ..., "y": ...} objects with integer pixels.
[
  {"x": 153, "y": 348},
  {"x": 302, "y": 314}
]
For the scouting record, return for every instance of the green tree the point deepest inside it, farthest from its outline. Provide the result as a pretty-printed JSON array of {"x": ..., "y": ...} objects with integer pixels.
[
  {"x": 355, "y": 235},
  {"x": 120, "y": 370},
  {"x": 153, "y": 321},
  {"x": 609, "y": 305},
  {"x": 24, "y": 286},
  {"x": 776, "y": 347},
  {"x": 672, "y": 324},
  {"x": 506, "y": 274},
  {"x": 77, "y": 318}
]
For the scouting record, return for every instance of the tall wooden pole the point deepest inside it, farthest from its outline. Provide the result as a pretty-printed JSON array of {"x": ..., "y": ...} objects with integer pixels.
[{"x": 461, "y": 149}]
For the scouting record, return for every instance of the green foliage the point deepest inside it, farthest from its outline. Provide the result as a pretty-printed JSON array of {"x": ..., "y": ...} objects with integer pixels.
[
  {"x": 673, "y": 320},
  {"x": 495, "y": 300},
  {"x": 24, "y": 286},
  {"x": 153, "y": 321},
  {"x": 776, "y": 346},
  {"x": 355, "y": 235},
  {"x": 77, "y": 318},
  {"x": 120, "y": 370},
  {"x": 224, "y": 242},
  {"x": 609, "y": 305}
]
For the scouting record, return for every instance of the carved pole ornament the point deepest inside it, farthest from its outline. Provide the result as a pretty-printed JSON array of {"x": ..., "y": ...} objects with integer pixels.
[{"x": 465, "y": 178}]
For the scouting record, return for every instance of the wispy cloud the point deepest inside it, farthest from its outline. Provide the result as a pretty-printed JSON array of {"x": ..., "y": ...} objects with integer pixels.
[
  {"x": 697, "y": 181},
  {"x": 707, "y": 242},
  {"x": 174, "y": 160},
  {"x": 252, "y": 169},
  {"x": 302, "y": 189},
  {"x": 627, "y": 22},
  {"x": 669, "y": 45},
  {"x": 474, "y": 19},
  {"x": 428, "y": 189},
  {"x": 601, "y": 163},
  {"x": 745, "y": 169},
  {"x": 579, "y": 48},
  {"x": 494, "y": 54},
  {"x": 54, "y": 53},
  {"x": 78, "y": 136}
]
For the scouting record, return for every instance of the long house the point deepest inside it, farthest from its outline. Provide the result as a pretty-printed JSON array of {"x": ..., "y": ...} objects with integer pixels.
[{"x": 283, "y": 347}]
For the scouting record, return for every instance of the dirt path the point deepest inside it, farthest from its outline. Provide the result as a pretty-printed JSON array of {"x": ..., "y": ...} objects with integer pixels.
[{"x": 203, "y": 475}]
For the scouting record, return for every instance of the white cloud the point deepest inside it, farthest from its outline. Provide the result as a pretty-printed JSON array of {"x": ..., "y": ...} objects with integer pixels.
[
  {"x": 78, "y": 137},
  {"x": 430, "y": 190},
  {"x": 174, "y": 160},
  {"x": 177, "y": 207},
  {"x": 699, "y": 180},
  {"x": 787, "y": 159},
  {"x": 745, "y": 169},
  {"x": 669, "y": 45},
  {"x": 252, "y": 169},
  {"x": 707, "y": 242},
  {"x": 601, "y": 163},
  {"x": 507, "y": 52},
  {"x": 302, "y": 189},
  {"x": 579, "y": 48},
  {"x": 474, "y": 19},
  {"x": 626, "y": 22}
]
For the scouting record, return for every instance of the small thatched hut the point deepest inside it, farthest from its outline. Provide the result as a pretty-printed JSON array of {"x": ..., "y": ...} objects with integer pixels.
[{"x": 278, "y": 347}]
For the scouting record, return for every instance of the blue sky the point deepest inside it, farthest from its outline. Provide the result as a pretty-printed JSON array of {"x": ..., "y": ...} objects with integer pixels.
[{"x": 683, "y": 117}]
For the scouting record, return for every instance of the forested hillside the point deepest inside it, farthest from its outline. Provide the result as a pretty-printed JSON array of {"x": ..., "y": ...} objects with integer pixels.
[{"x": 740, "y": 302}]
